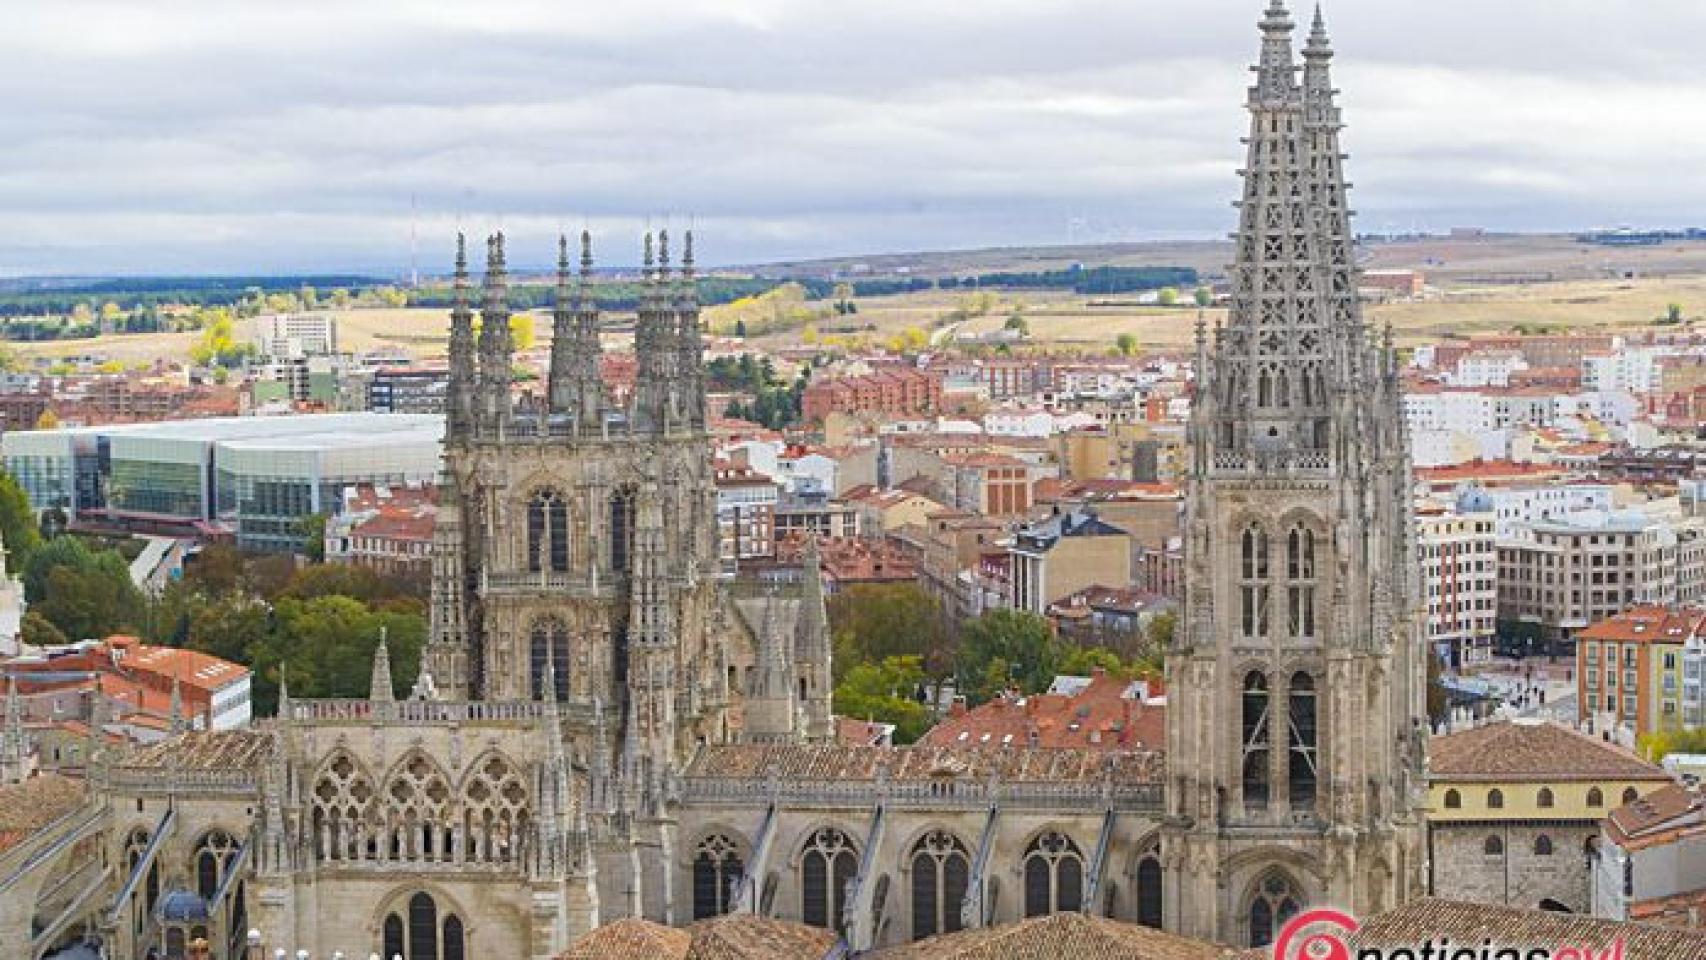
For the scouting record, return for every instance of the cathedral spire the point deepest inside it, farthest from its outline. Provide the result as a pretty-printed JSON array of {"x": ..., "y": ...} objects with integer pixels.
[
  {"x": 497, "y": 343},
  {"x": 379, "y": 689},
  {"x": 689, "y": 343},
  {"x": 460, "y": 392},
  {"x": 561, "y": 386},
  {"x": 1276, "y": 72},
  {"x": 14, "y": 745}
]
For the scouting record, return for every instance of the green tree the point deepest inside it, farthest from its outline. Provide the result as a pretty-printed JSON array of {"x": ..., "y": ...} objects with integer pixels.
[
  {"x": 1205, "y": 296},
  {"x": 314, "y": 537},
  {"x": 38, "y": 631},
  {"x": 1659, "y": 744},
  {"x": 86, "y": 594},
  {"x": 18, "y": 524},
  {"x": 1168, "y": 297},
  {"x": 233, "y": 628},
  {"x": 1007, "y": 647},
  {"x": 1127, "y": 344},
  {"x": 887, "y": 693},
  {"x": 875, "y": 622}
]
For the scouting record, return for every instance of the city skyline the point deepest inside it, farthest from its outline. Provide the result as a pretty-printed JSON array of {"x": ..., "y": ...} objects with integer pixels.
[{"x": 188, "y": 139}]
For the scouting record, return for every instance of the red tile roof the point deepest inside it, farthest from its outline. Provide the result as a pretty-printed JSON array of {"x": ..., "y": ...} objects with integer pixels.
[
  {"x": 1101, "y": 717},
  {"x": 1525, "y": 750}
]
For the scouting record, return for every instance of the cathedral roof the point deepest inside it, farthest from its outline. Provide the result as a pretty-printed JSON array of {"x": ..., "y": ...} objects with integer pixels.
[
  {"x": 1518, "y": 750},
  {"x": 920, "y": 763},
  {"x": 732, "y": 937},
  {"x": 1073, "y": 935},
  {"x": 28, "y": 807},
  {"x": 204, "y": 750}
]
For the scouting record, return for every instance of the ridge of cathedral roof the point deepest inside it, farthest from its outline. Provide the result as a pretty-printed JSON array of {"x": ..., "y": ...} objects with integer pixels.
[
  {"x": 1070, "y": 934},
  {"x": 841, "y": 762}
]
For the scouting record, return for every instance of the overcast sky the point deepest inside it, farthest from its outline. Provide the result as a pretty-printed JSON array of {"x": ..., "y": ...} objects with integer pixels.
[{"x": 199, "y": 136}]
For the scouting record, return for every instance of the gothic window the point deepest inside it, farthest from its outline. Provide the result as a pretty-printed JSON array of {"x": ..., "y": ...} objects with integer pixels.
[
  {"x": 1274, "y": 903},
  {"x": 1301, "y": 770},
  {"x": 1495, "y": 799},
  {"x": 1282, "y": 389},
  {"x": 1453, "y": 800},
  {"x": 495, "y": 813},
  {"x": 423, "y": 928},
  {"x": 422, "y": 935},
  {"x": 1544, "y": 799},
  {"x": 1264, "y": 389},
  {"x": 393, "y": 937},
  {"x": 1253, "y": 592},
  {"x": 549, "y": 641},
  {"x": 345, "y": 817},
  {"x": 213, "y": 857},
  {"x": 1149, "y": 891},
  {"x": 716, "y": 869},
  {"x": 1300, "y": 570},
  {"x": 1596, "y": 798},
  {"x": 940, "y": 871},
  {"x": 417, "y": 825},
  {"x": 828, "y": 866},
  {"x": 134, "y": 848},
  {"x": 621, "y": 517},
  {"x": 1255, "y": 740},
  {"x": 1543, "y": 846},
  {"x": 547, "y": 532},
  {"x": 1054, "y": 875}
]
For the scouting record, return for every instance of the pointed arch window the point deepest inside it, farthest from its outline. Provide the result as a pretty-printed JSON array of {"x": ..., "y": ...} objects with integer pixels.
[
  {"x": 1149, "y": 893},
  {"x": 1256, "y": 740},
  {"x": 423, "y": 928},
  {"x": 549, "y": 643},
  {"x": 1300, "y": 592},
  {"x": 717, "y": 868},
  {"x": 1273, "y": 903},
  {"x": 940, "y": 871},
  {"x": 828, "y": 866},
  {"x": 1301, "y": 770},
  {"x": 1054, "y": 875},
  {"x": 212, "y": 860},
  {"x": 548, "y": 532},
  {"x": 418, "y": 934},
  {"x": 1253, "y": 590}
]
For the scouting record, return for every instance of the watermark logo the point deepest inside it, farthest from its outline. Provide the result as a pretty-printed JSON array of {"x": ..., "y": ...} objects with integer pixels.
[
  {"x": 1317, "y": 944},
  {"x": 1322, "y": 935}
]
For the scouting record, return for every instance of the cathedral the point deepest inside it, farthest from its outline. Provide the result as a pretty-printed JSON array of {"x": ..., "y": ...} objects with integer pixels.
[{"x": 605, "y": 727}]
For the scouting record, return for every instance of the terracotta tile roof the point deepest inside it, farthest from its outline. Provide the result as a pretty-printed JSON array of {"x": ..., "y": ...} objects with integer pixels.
[
  {"x": 1658, "y": 818},
  {"x": 1100, "y": 718},
  {"x": 1062, "y": 935},
  {"x": 204, "y": 750},
  {"x": 1414, "y": 923},
  {"x": 631, "y": 940},
  {"x": 1680, "y": 910},
  {"x": 34, "y": 804},
  {"x": 1516, "y": 750},
  {"x": 859, "y": 733},
  {"x": 1649, "y": 624},
  {"x": 839, "y": 762},
  {"x": 745, "y": 937}
]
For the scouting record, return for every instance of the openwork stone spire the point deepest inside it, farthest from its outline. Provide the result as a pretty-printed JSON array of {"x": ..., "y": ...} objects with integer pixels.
[
  {"x": 379, "y": 689},
  {"x": 463, "y": 374},
  {"x": 497, "y": 344}
]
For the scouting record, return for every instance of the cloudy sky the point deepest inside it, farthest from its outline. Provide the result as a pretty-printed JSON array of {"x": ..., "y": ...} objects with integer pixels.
[{"x": 202, "y": 136}]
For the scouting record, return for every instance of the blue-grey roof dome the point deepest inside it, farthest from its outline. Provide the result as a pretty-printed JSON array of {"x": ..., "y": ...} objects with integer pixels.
[{"x": 182, "y": 905}]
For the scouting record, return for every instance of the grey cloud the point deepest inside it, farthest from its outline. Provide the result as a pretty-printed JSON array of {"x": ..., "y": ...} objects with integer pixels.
[{"x": 188, "y": 135}]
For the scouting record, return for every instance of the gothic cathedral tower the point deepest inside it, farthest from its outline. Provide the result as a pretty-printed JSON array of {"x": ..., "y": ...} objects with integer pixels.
[{"x": 1296, "y": 726}]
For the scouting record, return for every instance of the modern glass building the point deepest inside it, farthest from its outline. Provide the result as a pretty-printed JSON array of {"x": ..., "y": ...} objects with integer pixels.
[{"x": 256, "y": 476}]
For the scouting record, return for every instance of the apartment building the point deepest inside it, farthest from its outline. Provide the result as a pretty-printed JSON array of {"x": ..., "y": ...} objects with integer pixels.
[
  {"x": 1630, "y": 669},
  {"x": 1558, "y": 576},
  {"x": 1460, "y": 560}
]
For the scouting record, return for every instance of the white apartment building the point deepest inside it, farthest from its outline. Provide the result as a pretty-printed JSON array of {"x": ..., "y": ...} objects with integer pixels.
[
  {"x": 1487, "y": 368},
  {"x": 1459, "y": 559},
  {"x": 1514, "y": 506},
  {"x": 295, "y": 335},
  {"x": 1626, "y": 369}
]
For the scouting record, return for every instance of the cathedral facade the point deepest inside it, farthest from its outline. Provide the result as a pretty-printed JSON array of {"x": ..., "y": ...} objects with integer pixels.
[
  {"x": 607, "y": 728},
  {"x": 1296, "y": 685}
]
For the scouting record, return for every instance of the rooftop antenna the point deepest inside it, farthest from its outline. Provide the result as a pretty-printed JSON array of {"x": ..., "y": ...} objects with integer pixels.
[{"x": 414, "y": 243}]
